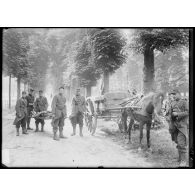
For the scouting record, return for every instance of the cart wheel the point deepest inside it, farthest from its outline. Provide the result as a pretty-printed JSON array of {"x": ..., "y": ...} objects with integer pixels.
[
  {"x": 87, "y": 121},
  {"x": 94, "y": 124}
]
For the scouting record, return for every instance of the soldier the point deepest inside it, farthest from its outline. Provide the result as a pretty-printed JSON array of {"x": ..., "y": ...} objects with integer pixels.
[
  {"x": 40, "y": 105},
  {"x": 59, "y": 113},
  {"x": 30, "y": 103},
  {"x": 178, "y": 113},
  {"x": 21, "y": 114},
  {"x": 78, "y": 109}
]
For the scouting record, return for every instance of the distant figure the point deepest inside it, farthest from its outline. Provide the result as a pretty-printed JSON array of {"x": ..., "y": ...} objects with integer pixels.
[
  {"x": 40, "y": 105},
  {"x": 30, "y": 103},
  {"x": 21, "y": 114},
  {"x": 178, "y": 113},
  {"x": 78, "y": 109},
  {"x": 59, "y": 113}
]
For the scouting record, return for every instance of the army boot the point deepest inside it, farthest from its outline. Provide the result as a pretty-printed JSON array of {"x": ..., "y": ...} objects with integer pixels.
[
  {"x": 17, "y": 131},
  {"x": 55, "y": 137},
  {"x": 61, "y": 134},
  {"x": 183, "y": 162},
  {"x": 42, "y": 127},
  {"x": 179, "y": 157},
  {"x": 24, "y": 131},
  {"x": 81, "y": 133},
  {"x": 74, "y": 132},
  {"x": 37, "y": 127},
  {"x": 28, "y": 126}
]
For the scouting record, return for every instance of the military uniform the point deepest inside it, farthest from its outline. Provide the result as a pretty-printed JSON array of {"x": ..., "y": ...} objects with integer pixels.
[
  {"x": 30, "y": 102},
  {"x": 78, "y": 109},
  {"x": 21, "y": 115},
  {"x": 179, "y": 126},
  {"x": 40, "y": 105},
  {"x": 59, "y": 112}
]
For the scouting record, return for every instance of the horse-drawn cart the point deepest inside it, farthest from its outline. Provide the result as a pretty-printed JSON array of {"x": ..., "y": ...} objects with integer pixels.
[{"x": 109, "y": 106}]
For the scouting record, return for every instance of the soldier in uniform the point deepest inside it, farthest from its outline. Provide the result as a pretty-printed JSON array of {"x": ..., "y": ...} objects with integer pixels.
[
  {"x": 21, "y": 114},
  {"x": 178, "y": 112},
  {"x": 30, "y": 103},
  {"x": 78, "y": 109},
  {"x": 40, "y": 105},
  {"x": 59, "y": 113}
]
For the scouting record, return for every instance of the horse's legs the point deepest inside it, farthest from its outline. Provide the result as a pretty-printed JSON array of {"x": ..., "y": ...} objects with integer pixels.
[
  {"x": 148, "y": 127},
  {"x": 141, "y": 125},
  {"x": 124, "y": 121},
  {"x": 129, "y": 128}
]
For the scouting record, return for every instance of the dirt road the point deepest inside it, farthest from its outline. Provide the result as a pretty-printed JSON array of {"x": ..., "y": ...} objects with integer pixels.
[{"x": 40, "y": 150}]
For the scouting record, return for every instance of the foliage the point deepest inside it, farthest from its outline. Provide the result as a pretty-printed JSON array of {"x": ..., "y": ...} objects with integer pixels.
[
  {"x": 107, "y": 49},
  {"x": 38, "y": 58},
  {"x": 85, "y": 67},
  {"x": 159, "y": 39},
  {"x": 172, "y": 69},
  {"x": 99, "y": 51},
  {"x": 15, "y": 52}
]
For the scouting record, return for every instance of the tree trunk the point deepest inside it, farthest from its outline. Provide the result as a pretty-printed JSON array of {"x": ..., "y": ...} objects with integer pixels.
[
  {"x": 88, "y": 91},
  {"x": 148, "y": 70},
  {"x": 18, "y": 88},
  {"x": 9, "y": 91},
  {"x": 106, "y": 82}
]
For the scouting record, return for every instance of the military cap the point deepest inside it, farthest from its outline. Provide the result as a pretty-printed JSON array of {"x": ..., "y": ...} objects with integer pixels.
[
  {"x": 31, "y": 89},
  {"x": 174, "y": 91},
  {"x": 40, "y": 91},
  {"x": 24, "y": 92}
]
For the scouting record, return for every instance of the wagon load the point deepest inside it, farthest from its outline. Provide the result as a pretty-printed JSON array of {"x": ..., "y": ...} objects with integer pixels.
[{"x": 114, "y": 99}]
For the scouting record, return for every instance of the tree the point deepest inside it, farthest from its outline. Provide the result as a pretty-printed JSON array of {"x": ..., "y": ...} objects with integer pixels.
[
  {"x": 171, "y": 70},
  {"x": 60, "y": 43},
  {"x": 15, "y": 49},
  {"x": 146, "y": 41},
  {"x": 38, "y": 58},
  {"x": 107, "y": 51},
  {"x": 85, "y": 68}
]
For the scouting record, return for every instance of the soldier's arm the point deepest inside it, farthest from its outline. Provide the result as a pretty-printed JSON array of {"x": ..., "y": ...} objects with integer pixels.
[
  {"x": 17, "y": 107},
  {"x": 53, "y": 105},
  {"x": 46, "y": 104},
  {"x": 35, "y": 105},
  {"x": 185, "y": 112},
  {"x": 27, "y": 100}
]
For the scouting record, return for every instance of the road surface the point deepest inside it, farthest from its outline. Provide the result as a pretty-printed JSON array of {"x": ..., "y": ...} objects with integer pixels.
[{"x": 40, "y": 150}]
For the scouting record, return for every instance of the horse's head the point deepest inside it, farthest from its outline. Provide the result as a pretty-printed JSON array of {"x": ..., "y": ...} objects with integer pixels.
[{"x": 158, "y": 102}]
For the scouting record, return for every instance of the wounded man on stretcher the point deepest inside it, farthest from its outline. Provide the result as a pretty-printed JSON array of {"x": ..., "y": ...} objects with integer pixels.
[{"x": 42, "y": 115}]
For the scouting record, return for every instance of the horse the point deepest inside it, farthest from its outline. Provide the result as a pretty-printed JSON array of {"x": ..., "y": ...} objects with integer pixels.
[{"x": 150, "y": 105}]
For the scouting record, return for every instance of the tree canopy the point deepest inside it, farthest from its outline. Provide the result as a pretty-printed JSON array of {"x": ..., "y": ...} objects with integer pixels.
[
  {"x": 101, "y": 50},
  {"x": 15, "y": 52},
  {"x": 159, "y": 39}
]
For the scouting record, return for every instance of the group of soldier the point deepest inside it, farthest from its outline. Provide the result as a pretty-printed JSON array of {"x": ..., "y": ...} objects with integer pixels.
[
  {"x": 27, "y": 104},
  {"x": 177, "y": 113}
]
